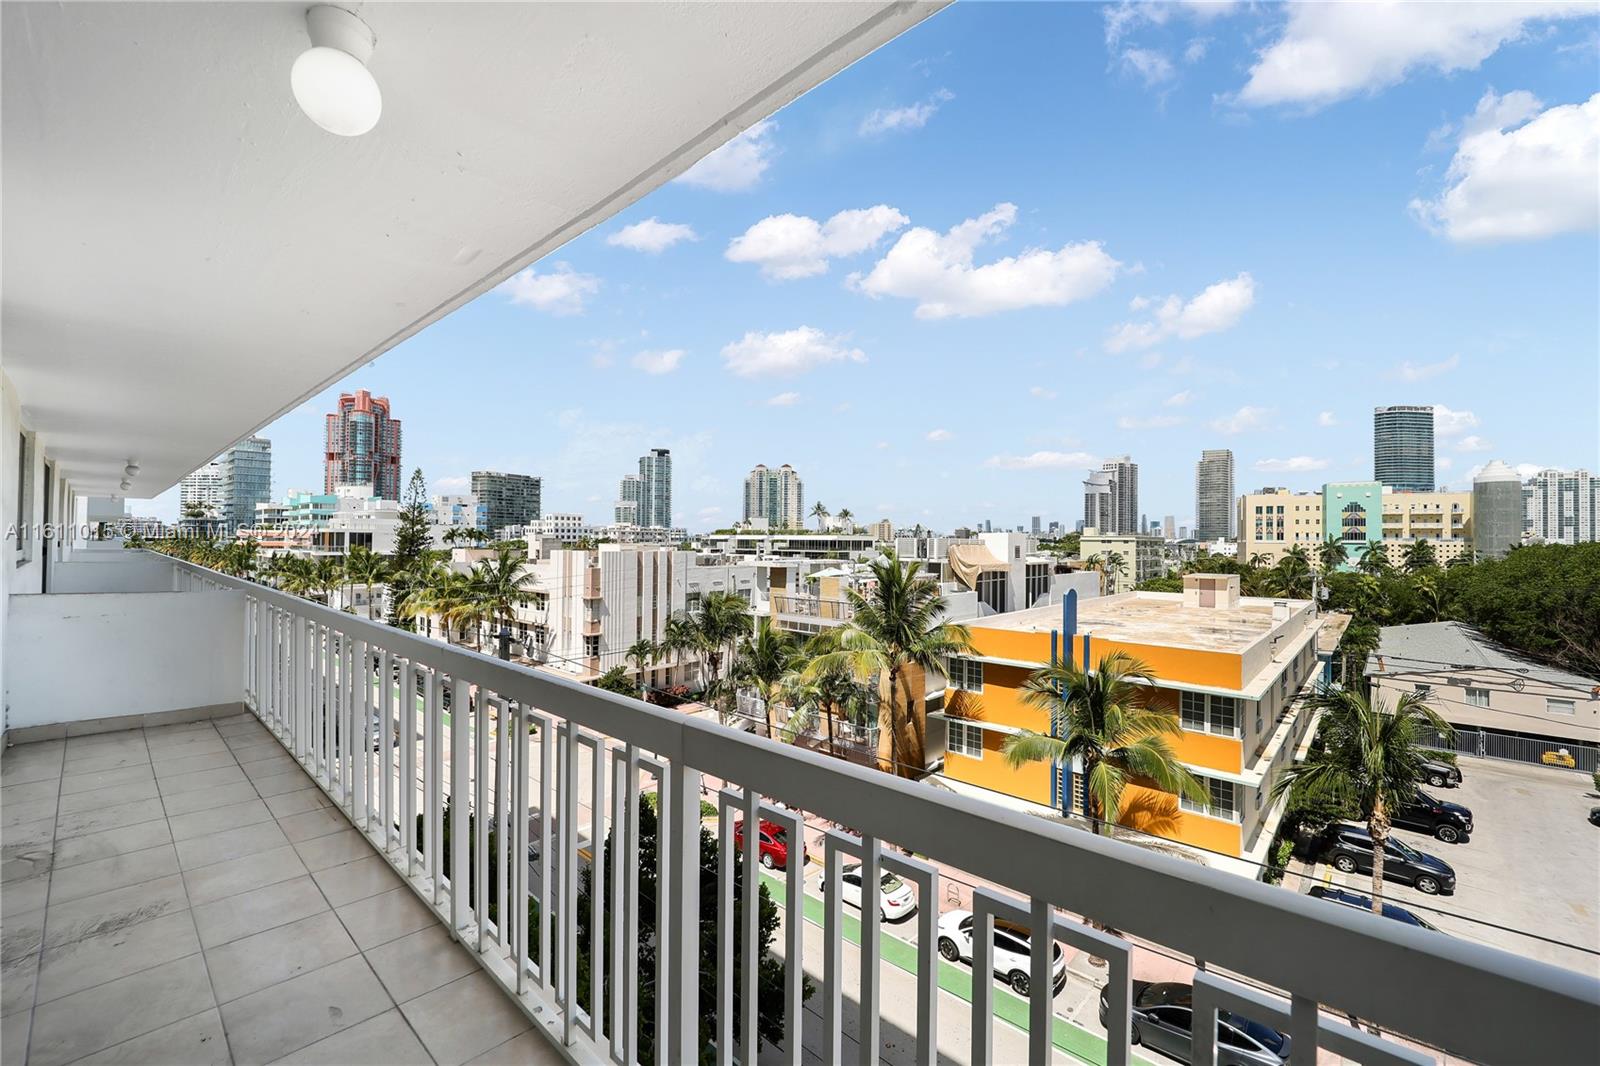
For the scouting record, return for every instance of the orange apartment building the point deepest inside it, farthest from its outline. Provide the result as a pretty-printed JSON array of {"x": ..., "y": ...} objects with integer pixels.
[{"x": 1229, "y": 668}]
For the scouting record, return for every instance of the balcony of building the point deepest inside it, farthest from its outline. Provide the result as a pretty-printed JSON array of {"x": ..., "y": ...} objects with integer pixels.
[{"x": 225, "y": 808}]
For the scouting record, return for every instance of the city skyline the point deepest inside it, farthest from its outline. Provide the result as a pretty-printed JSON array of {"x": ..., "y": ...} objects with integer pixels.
[{"x": 752, "y": 299}]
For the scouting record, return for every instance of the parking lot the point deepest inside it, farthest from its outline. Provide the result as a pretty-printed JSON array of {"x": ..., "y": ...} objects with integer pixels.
[{"x": 1533, "y": 863}]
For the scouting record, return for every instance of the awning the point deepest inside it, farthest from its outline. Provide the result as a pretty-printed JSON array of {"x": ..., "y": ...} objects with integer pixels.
[{"x": 967, "y": 561}]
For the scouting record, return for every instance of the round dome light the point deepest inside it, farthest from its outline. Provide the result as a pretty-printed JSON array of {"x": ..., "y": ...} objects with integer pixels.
[{"x": 330, "y": 80}]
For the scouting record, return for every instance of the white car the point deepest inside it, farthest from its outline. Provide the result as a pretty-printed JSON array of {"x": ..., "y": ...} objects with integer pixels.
[
  {"x": 895, "y": 898},
  {"x": 1012, "y": 961}
]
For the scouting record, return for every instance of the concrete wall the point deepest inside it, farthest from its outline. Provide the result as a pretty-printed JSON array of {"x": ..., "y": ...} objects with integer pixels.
[{"x": 72, "y": 658}]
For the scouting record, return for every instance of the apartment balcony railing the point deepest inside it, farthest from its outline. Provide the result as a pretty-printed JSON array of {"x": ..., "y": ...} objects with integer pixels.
[{"x": 423, "y": 774}]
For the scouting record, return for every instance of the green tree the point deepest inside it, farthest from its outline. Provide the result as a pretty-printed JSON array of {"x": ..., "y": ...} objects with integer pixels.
[
  {"x": 641, "y": 653},
  {"x": 1542, "y": 600},
  {"x": 500, "y": 585},
  {"x": 1374, "y": 559},
  {"x": 617, "y": 680},
  {"x": 326, "y": 576},
  {"x": 1292, "y": 576},
  {"x": 366, "y": 568},
  {"x": 411, "y": 539},
  {"x": 1331, "y": 554},
  {"x": 1104, "y": 719},
  {"x": 1371, "y": 759},
  {"x": 897, "y": 624},
  {"x": 819, "y": 511},
  {"x": 1419, "y": 556},
  {"x": 723, "y": 618},
  {"x": 762, "y": 661},
  {"x": 847, "y": 519},
  {"x": 679, "y": 634}
]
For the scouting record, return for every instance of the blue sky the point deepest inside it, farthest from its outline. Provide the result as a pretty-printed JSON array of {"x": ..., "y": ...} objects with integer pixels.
[{"x": 1023, "y": 237}]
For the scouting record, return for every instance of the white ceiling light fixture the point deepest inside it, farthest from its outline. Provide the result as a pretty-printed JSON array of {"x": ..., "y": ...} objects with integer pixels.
[
  {"x": 330, "y": 80},
  {"x": 126, "y": 485},
  {"x": 131, "y": 469}
]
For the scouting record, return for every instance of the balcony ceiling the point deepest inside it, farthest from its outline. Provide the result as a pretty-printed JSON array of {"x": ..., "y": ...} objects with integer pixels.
[{"x": 186, "y": 256}]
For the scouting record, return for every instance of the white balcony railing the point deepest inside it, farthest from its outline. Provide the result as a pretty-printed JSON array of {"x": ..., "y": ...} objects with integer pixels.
[{"x": 419, "y": 774}]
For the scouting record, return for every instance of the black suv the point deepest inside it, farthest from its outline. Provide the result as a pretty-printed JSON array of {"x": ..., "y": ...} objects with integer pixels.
[
  {"x": 1348, "y": 849},
  {"x": 1356, "y": 901},
  {"x": 1441, "y": 774},
  {"x": 1450, "y": 822}
]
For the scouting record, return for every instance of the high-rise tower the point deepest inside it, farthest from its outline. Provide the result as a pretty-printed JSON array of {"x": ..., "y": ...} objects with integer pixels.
[
  {"x": 1402, "y": 447},
  {"x": 363, "y": 445},
  {"x": 1213, "y": 495},
  {"x": 655, "y": 488}
]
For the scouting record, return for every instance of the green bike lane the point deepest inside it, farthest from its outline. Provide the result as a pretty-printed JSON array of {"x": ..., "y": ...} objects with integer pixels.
[{"x": 957, "y": 981}]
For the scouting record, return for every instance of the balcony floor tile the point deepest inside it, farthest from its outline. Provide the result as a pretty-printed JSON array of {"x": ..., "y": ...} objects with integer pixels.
[{"x": 187, "y": 894}]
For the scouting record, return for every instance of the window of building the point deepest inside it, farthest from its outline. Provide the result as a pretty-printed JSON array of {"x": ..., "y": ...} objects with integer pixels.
[
  {"x": 1553, "y": 706},
  {"x": 1192, "y": 711},
  {"x": 1423, "y": 690},
  {"x": 1223, "y": 799},
  {"x": 1477, "y": 697},
  {"x": 1223, "y": 712},
  {"x": 965, "y": 739},
  {"x": 966, "y": 674},
  {"x": 24, "y": 497},
  {"x": 1205, "y": 713}
]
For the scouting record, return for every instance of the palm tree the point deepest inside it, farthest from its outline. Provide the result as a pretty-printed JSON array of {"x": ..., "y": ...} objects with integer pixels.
[
  {"x": 1374, "y": 559},
  {"x": 1103, "y": 718},
  {"x": 763, "y": 660},
  {"x": 641, "y": 653},
  {"x": 366, "y": 568},
  {"x": 845, "y": 518},
  {"x": 895, "y": 625},
  {"x": 1330, "y": 554},
  {"x": 500, "y": 585},
  {"x": 326, "y": 576},
  {"x": 1419, "y": 556},
  {"x": 1292, "y": 576},
  {"x": 723, "y": 618},
  {"x": 1371, "y": 760},
  {"x": 820, "y": 513},
  {"x": 1430, "y": 597},
  {"x": 678, "y": 635},
  {"x": 1258, "y": 561}
]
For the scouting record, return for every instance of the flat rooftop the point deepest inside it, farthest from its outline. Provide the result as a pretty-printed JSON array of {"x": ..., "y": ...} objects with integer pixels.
[{"x": 1158, "y": 618}]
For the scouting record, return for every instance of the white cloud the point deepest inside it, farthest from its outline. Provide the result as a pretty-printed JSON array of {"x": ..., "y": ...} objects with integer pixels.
[
  {"x": 1472, "y": 443},
  {"x": 1216, "y": 308},
  {"x": 936, "y": 270},
  {"x": 1149, "y": 422},
  {"x": 784, "y": 399},
  {"x": 940, "y": 434},
  {"x": 1519, "y": 175},
  {"x": 1326, "y": 419},
  {"x": 1178, "y": 399},
  {"x": 1448, "y": 423},
  {"x": 449, "y": 484},
  {"x": 1196, "y": 49},
  {"x": 1328, "y": 52},
  {"x": 1148, "y": 65},
  {"x": 652, "y": 235},
  {"x": 1299, "y": 464},
  {"x": 563, "y": 291},
  {"x": 791, "y": 352},
  {"x": 1409, "y": 371},
  {"x": 737, "y": 165},
  {"x": 1043, "y": 461},
  {"x": 1444, "y": 462},
  {"x": 1042, "y": 393},
  {"x": 661, "y": 362},
  {"x": 1245, "y": 418},
  {"x": 912, "y": 117},
  {"x": 795, "y": 246}
]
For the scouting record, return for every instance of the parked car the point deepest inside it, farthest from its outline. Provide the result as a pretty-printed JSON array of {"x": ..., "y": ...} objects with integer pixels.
[
  {"x": 895, "y": 898},
  {"x": 1356, "y": 901},
  {"x": 1013, "y": 947},
  {"x": 1162, "y": 1014},
  {"x": 773, "y": 847},
  {"x": 1348, "y": 849},
  {"x": 1594, "y": 815},
  {"x": 1441, "y": 774},
  {"x": 1450, "y": 822}
]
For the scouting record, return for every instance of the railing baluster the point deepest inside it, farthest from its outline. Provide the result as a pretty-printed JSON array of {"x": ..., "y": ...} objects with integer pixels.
[
  {"x": 726, "y": 857},
  {"x": 982, "y": 980},
  {"x": 505, "y": 737},
  {"x": 408, "y": 764},
  {"x": 1041, "y": 991},
  {"x": 481, "y": 813},
  {"x": 460, "y": 803},
  {"x": 386, "y": 741},
  {"x": 750, "y": 912},
  {"x": 833, "y": 947},
  {"x": 361, "y": 755},
  {"x": 348, "y": 684},
  {"x": 1303, "y": 1028},
  {"x": 329, "y": 695},
  {"x": 630, "y": 944},
  {"x": 430, "y": 783},
  {"x": 597, "y": 894},
  {"x": 566, "y": 987},
  {"x": 619, "y": 858},
  {"x": 871, "y": 887},
  {"x": 683, "y": 919},
  {"x": 548, "y": 734},
  {"x": 519, "y": 813}
]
